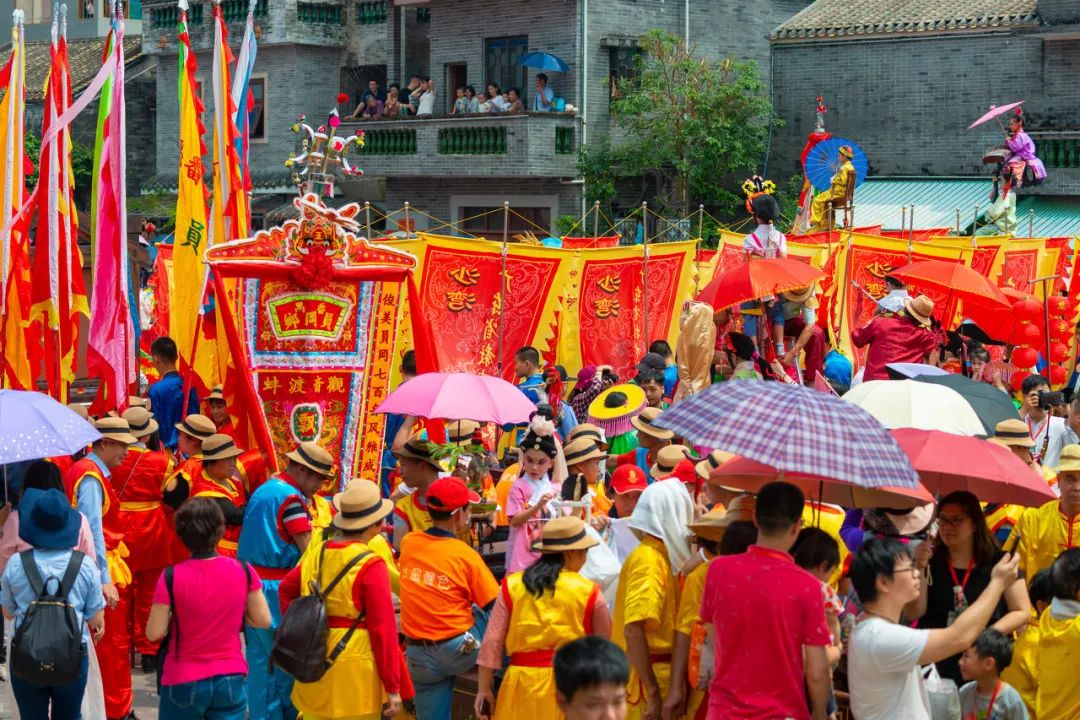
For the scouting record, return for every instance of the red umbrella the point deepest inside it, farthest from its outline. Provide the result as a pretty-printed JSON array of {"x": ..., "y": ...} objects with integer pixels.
[
  {"x": 745, "y": 474},
  {"x": 954, "y": 278},
  {"x": 947, "y": 462},
  {"x": 757, "y": 278},
  {"x": 1000, "y": 322}
]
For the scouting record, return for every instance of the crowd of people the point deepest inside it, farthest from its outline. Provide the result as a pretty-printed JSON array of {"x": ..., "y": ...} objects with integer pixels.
[
  {"x": 620, "y": 580},
  {"x": 418, "y": 99}
]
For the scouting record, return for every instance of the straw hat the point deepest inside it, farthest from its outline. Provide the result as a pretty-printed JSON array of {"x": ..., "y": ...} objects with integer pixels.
[
  {"x": 1070, "y": 459},
  {"x": 141, "y": 422},
  {"x": 644, "y": 423},
  {"x": 590, "y": 431},
  {"x": 667, "y": 459},
  {"x": 217, "y": 393},
  {"x": 114, "y": 428},
  {"x": 312, "y": 456},
  {"x": 80, "y": 410},
  {"x": 846, "y": 151},
  {"x": 197, "y": 426},
  {"x": 582, "y": 449},
  {"x": 360, "y": 505},
  {"x": 712, "y": 524},
  {"x": 140, "y": 402},
  {"x": 920, "y": 309},
  {"x": 804, "y": 295},
  {"x": 712, "y": 461},
  {"x": 460, "y": 432},
  {"x": 219, "y": 447},
  {"x": 1013, "y": 433},
  {"x": 613, "y": 409},
  {"x": 416, "y": 447},
  {"x": 563, "y": 534}
]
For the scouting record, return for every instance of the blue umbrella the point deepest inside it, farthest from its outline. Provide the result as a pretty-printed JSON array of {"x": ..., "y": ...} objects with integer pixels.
[
  {"x": 543, "y": 61},
  {"x": 33, "y": 425},
  {"x": 823, "y": 162}
]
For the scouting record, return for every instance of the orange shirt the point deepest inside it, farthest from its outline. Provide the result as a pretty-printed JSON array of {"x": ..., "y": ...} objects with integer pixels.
[{"x": 441, "y": 579}]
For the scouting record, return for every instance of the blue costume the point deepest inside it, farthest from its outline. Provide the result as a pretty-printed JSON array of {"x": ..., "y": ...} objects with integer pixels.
[{"x": 263, "y": 544}]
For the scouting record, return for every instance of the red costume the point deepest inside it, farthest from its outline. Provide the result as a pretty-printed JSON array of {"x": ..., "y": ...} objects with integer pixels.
[
  {"x": 251, "y": 466},
  {"x": 114, "y": 648},
  {"x": 233, "y": 491},
  {"x": 148, "y": 532}
]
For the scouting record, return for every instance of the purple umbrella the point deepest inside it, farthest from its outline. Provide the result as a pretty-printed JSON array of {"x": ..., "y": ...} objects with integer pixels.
[
  {"x": 793, "y": 429},
  {"x": 33, "y": 425},
  {"x": 459, "y": 396}
]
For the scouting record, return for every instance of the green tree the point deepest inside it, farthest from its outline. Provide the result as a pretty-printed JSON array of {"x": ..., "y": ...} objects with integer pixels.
[
  {"x": 690, "y": 120},
  {"x": 82, "y": 166}
]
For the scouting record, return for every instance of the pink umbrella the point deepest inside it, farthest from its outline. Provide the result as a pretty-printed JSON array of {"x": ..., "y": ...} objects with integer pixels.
[
  {"x": 459, "y": 396},
  {"x": 995, "y": 111}
]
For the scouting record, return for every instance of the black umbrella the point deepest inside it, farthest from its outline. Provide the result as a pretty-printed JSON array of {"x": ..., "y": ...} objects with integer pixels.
[{"x": 990, "y": 404}]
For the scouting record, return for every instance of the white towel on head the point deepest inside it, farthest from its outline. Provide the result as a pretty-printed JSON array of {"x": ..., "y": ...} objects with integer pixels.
[{"x": 665, "y": 511}]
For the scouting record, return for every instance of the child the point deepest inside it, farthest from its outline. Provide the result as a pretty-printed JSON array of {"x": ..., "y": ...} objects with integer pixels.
[
  {"x": 528, "y": 503},
  {"x": 1021, "y": 674},
  {"x": 985, "y": 695},
  {"x": 485, "y": 104},
  {"x": 766, "y": 241},
  {"x": 1058, "y": 695},
  {"x": 461, "y": 104},
  {"x": 590, "y": 679},
  {"x": 817, "y": 552}
]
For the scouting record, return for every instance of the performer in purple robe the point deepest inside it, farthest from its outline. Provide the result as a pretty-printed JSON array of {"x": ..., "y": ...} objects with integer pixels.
[{"x": 1021, "y": 168}]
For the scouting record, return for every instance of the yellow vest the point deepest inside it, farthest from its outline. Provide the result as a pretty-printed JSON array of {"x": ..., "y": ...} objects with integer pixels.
[
  {"x": 408, "y": 509},
  {"x": 1058, "y": 696},
  {"x": 352, "y": 685},
  {"x": 538, "y": 627},
  {"x": 321, "y": 512},
  {"x": 1044, "y": 533}
]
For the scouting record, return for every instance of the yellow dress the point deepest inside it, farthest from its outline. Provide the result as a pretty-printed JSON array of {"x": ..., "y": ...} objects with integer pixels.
[
  {"x": 1044, "y": 533},
  {"x": 1022, "y": 672},
  {"x": 648, "y": 592},
  {"x": 687, "y": 621},
  {"x": 1058, "y": 696},
  {"x": 351, "y": 688},
  {"x": 537, "y": 628}
]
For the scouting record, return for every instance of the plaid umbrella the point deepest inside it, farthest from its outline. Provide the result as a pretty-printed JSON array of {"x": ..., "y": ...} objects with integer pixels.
[{"x": 793, "y": 429}]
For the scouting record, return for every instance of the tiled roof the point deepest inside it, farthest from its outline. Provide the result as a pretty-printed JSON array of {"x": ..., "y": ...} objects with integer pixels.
[
  {"x": 854, "y": 18},
  {"x": 267, "y": 180},
  {"x": 84, "y": 57}
]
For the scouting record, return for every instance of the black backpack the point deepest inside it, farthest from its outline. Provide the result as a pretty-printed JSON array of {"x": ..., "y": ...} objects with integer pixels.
[
  {"x": 47, "y": 647},
  {"x": 300, "y": 639}
]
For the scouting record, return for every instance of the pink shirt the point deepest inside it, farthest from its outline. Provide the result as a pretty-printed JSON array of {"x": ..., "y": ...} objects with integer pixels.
[
  {"x": 764, "y": 608},
  {"x": 518, "y": 554},
  {"x": 209, "y": 631}
]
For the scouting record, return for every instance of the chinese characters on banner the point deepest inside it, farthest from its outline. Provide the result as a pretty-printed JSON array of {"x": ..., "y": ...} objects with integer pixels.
[{"x": 382, "y": 333}]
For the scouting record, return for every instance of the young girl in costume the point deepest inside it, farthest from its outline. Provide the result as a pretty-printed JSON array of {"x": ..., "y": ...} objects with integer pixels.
[{"x": 529, "y": 501}]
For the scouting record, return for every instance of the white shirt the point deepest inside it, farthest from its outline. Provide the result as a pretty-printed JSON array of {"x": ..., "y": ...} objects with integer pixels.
[
  {"x": 766, "y": 241},
  {"x": 500, "y": 103},
  {"x": 426, "y": 104},
  {"x": 883, "y": 671},
  {"x": 1058, "y": 432}
]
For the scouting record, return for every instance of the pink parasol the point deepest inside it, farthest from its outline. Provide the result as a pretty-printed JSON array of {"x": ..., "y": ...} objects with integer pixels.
[
  {"x": 459, "y": 396},
  {"x": 995, "y": 111}
]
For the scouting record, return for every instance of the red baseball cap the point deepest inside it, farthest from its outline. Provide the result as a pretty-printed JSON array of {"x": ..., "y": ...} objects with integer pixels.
[
  {"x": 628, "y": 478},
  {"x": 450, "y": 493}
]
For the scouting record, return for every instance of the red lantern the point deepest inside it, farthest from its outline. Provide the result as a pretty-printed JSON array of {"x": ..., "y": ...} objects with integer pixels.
[
  {"x": 1017, "y": 380},
  {"x": 1059, "y": 352},
  {"x": 1060, "y": 330},
  {"x": 1027, "y": 310},
  {"x": 1025, "y": 334},
  {"x": 1025, "y": 357},
  {"x": 1057, "y": 306},
  {"x": 1058, "y": 375}
]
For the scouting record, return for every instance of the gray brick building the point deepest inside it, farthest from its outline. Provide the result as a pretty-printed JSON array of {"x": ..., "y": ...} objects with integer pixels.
[{"x": 450, "y": 167}]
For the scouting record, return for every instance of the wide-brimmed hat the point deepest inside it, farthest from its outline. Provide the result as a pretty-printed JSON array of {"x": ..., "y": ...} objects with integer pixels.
[
  {"x": 360, "y": 505},
  {"x": 1070, "y": 459},
  {"x": 712, "y": 524},
  {"x": 312, "y": 456},
  {"x": 590, "y": 431},
  {"x": 628, "y": 478},
  {"x": 712, "y": 461},
  {"x": 911, "y": 521},
  {"x": 582, "y": 449},
  {"x": 920, "y": 309},
  {"x": 644, "y": 423},
  {"x": 667, "y": 459},
  {"x": 47, "y": 520},
  {"x": 219, "y": 447},
  {"x": 79, "y": 409},
  {"x": 417, "y": 448},
  {"x": 141, "y": 422},
  {"x": 1012, "y": 433},
  {"x": 115, "y": 428},
  {"x": 613, "y": 409},
  {"x": 136, "y": 401},
  {"x": 460, "y": 432},
  {"x": 846, "y": 151},
  {"x": 805, "y": 295},
  {"x": 217, "y": 393},
  {"x": 563, "y": 534},
  {"x": 197, "y": 426}
]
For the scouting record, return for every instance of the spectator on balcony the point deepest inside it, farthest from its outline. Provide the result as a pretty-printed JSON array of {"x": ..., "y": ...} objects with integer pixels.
[
  {"x": 470, "y": 95},
  {"x": 544, "y": 95},
  {"x": 514, "y": 97},
  {"x": 372, "y": 89},
  {"x": 461, "y": 103},
  {"x": 483, "y": 104},
  {"x": 495, "y": 96},
  {"x": 412, "y": 95},
  {"x": 424, "y": 98},
  {"x": 371, "y": 110},
  {"x": 392, "y": 106}
]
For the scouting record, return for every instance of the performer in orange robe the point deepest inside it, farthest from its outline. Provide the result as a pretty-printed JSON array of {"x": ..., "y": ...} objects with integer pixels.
[
  {"x": 214, "y": 478},
  {"x": 148, "y": 534}
]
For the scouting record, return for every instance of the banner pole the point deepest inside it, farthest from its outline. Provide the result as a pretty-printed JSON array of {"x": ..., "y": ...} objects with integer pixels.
[
  {"x": 1031, "y": 223},
  {"x": 367, "y": 215},
  {"x": 502, "y": 285},
  {"x": 700, "y": 219},
  {"x": 957, "y": 222},
  {"x": 975, "y": 222},
  {"x": 645, "y": 270},
  {"x": 596, "y": 221},
  {"x": 408, "y": 231}
]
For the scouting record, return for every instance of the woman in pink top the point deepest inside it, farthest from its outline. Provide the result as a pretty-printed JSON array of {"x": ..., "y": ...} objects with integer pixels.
[
  {"x": 529, "y": 503},
  {"x": 205, "y": 674}
]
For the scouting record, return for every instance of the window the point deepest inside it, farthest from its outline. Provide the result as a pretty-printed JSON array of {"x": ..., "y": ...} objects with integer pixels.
[
  {"x": 88, "y": 9},
  {"x": 37, "y": 11},
  {"x": 500, "y": 63},
  {"x": 257, "y": 109},
  {"x": 536, "y": 220},
  {"x": 622, "y": 66}
]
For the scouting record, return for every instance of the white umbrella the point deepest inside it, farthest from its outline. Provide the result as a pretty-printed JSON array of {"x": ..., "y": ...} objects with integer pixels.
[
  {"x": 33, "y": 426},
  {"x": 907, "y": 404}
]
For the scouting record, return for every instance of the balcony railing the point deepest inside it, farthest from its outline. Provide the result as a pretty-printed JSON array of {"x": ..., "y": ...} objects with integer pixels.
[
  {"x": 540, "y": 144},
  {"x": 1058, "y": 149},
  {"x": 321, "y": 13},
  {"x": 371, "y": 13}
]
